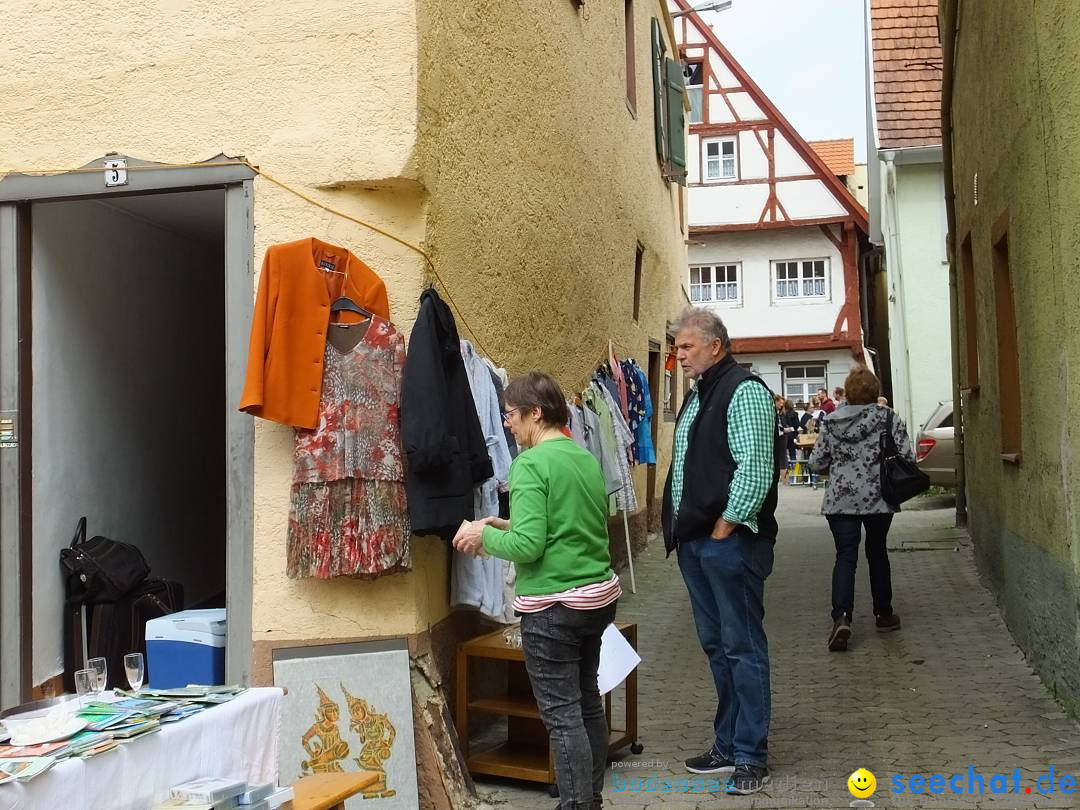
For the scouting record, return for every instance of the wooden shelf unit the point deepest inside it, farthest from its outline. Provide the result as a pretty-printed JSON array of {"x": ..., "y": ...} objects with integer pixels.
[{"x": 525, "y": 753}]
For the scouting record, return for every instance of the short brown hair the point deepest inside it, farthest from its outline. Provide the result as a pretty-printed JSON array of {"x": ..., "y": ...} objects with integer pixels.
[
  {"x": 535, "y": 389},
  {"x": 862, "y": 386}
]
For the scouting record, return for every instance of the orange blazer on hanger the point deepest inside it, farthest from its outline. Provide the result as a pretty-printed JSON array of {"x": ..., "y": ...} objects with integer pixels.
[{"x": 299, "y": 281}]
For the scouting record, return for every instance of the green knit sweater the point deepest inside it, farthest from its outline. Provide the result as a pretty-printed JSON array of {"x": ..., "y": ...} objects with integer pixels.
[{"x": 558, "y": 520}]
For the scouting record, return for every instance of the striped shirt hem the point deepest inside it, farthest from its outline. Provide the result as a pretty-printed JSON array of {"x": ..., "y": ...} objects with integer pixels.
[{"x": 584, "y": 597}]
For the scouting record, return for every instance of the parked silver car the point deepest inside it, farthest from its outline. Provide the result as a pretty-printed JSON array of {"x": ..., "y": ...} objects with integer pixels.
[{"x": 934, "y": 449}]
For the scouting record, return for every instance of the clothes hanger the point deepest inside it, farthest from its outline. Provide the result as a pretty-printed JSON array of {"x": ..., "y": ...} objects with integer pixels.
[{"x": 346, "y": 304}]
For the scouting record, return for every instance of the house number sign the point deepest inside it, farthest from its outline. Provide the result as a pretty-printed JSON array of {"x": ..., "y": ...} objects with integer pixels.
[{"x": 116, "y": 172}]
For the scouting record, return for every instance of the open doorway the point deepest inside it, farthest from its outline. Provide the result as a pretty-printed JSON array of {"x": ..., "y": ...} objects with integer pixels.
[
  {"x": 128, "y": 359},
  {"x": 132, "y": 320}
]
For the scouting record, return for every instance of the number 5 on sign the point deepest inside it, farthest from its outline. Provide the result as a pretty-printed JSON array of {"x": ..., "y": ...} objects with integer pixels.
[{"x": 115, "y": 172}]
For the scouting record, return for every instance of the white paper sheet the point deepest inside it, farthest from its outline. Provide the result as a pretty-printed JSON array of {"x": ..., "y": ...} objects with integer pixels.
[{"x": 617, "y": 659}]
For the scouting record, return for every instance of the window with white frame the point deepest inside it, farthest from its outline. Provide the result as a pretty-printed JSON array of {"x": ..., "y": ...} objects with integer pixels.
[
  {"x": 802, "y": 382},
  {"x": 720, "y": 159},
  {"x": 694, "y": 72},
  {"x": 715, "y": 283},
  {"x": 801, "y": 279}
]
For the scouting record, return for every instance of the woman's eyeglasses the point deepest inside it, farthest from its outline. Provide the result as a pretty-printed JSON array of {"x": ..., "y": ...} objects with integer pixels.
[{"x": 509, "y": 413}]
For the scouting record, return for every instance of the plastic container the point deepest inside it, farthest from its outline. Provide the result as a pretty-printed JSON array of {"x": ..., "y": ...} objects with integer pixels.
[{"x": 186, "y": 648}]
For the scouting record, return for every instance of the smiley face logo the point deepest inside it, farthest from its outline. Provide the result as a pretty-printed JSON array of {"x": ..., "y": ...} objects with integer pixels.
[{"x": 862, "y": 784}]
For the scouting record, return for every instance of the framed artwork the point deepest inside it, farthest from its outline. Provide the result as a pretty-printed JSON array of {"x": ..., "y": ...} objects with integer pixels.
[{"x": 349, "y": 708}]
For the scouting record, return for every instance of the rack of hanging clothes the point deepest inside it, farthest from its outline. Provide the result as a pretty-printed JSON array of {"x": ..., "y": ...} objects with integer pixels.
[
  {"x": 612, "y": 419},
  {"x": 386, "y": 448}
]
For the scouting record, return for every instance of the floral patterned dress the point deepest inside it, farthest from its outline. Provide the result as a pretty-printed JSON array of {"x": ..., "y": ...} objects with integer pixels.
[{"x": 348, "y": 516}]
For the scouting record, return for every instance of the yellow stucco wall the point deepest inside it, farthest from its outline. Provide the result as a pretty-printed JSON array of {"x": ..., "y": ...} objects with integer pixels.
[
  {"x": 543, "y": 182},
  {"x": 494, "y": 133}
]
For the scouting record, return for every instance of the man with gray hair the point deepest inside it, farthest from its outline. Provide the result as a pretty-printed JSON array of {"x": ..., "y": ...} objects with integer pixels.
[{"x": 719, "y": 506}]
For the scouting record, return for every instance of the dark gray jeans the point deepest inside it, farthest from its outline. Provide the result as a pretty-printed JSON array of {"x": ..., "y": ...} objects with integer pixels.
[{"x": 562, "y": 654}]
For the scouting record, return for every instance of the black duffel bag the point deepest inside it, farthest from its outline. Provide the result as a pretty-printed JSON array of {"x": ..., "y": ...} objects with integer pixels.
[
  {"x": 901, "y": 478},
  {"x": 100, "y": 569}
]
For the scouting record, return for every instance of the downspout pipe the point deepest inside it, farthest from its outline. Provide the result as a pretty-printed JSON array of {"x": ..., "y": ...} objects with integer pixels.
[{"x": 948, "y": 27}]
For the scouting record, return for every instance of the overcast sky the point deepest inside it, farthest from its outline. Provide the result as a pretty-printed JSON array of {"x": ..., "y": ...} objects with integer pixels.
[{"x": 808, "y": 58}]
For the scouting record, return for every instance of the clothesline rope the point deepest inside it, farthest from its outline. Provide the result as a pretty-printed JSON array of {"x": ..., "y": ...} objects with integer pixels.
[
  {"x": 292, "y": 190},
  {"x": 329, "y": 209}
]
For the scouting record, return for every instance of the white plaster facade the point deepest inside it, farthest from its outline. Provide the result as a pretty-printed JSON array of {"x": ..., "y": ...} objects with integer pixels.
[
  {"x": 756, "y": 312},
  {"x": 762, "y": 205},
  {"x": 917, "y": 267}
]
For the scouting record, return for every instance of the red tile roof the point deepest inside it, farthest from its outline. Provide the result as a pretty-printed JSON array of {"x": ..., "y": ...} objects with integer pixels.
[
  {"x": 839, "y": 155},
  {"x": 907, "y": 72}
]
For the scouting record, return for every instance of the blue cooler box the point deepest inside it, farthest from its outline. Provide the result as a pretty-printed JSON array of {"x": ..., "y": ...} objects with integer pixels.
[{"x": 186, "y": 648}]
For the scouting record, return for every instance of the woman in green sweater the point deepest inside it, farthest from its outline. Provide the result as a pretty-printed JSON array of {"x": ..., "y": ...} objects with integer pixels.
[{"x": 566, "y": 590}]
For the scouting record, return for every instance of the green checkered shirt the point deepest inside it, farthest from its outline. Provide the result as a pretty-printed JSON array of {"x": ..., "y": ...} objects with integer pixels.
[{"x": 751, "y": 433}]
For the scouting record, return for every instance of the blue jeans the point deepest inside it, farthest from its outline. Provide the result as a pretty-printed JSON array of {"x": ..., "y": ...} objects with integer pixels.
[
  {"x": 847, "y": 532},
  {"x": 562, "y": 654},
  {"x": 726, "y": 581}
]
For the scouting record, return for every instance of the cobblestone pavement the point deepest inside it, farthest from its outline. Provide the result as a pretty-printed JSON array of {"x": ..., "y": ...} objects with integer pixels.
[{"x": 948, "y": 691}]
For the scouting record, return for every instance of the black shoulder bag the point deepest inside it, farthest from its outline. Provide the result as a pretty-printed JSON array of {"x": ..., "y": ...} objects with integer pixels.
[
  {"x": 901, "y": 479},
  {"x": 100, "y": 569}
]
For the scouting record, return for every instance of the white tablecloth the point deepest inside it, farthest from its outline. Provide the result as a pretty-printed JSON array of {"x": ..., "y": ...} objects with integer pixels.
[{"x": 238, "y": 739}]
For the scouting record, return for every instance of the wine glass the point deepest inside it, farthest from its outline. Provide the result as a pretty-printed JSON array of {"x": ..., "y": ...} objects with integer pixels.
[
  {"x": 101, "y": 669},
  {"x": 133, "y": 668},
  {"x": 85, "y": 684}
]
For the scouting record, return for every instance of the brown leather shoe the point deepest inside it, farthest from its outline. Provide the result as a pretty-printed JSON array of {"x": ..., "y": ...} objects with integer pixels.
[
  {"x": 841, "y": 632},
  {"x": 886, "y": 624}
]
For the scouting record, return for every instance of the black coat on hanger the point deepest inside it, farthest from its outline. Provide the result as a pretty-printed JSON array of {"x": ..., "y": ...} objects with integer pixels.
[{"x": 444, "y": 444}]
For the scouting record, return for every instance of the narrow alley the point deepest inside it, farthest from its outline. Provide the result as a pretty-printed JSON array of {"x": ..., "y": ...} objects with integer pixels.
[{"x": 949, "y": 691}]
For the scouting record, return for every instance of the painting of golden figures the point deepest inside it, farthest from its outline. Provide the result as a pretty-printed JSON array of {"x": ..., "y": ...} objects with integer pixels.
[{"x": 349, "y": 712}]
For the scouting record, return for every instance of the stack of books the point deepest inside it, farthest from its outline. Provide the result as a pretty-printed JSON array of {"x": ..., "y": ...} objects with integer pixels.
[
  {"x": 134, "y": 727},
  {"x": 23, "y": 769},
  {"x": 193, "y": 693},
  {"x": 226, "y": 794},
  {"x": 208, "y": 794},
  {"x": 88, "y": 744},
  {"x": 57, "y": 750}
]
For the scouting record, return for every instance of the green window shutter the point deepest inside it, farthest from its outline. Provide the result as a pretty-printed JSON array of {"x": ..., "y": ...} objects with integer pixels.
[
  {"x": 658, "y": 91},
  {"x": 676, "y": 121}
]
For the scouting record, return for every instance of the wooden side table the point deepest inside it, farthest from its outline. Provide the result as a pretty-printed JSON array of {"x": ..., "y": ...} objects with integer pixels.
[{"x": 525, "y": 754}]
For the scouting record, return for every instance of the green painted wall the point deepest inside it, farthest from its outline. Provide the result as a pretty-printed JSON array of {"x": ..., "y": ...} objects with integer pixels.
[
  {"x": 1016, "y": 119},
  {"x": 920, "y": 197}
]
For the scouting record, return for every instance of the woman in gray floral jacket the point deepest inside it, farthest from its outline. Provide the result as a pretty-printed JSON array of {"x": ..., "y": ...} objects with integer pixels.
[{"x": 848, "y": 448}]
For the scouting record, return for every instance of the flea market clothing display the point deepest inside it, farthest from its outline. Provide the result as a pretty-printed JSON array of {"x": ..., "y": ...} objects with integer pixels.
[
  {"x": 577, "y": 424},
  {"x": 620, "y": 382},
  {"x": 500, "y": 380},
  {"x": 480, "y": 582},
  {"x": 348, "y": 513},
  {"x": 600, "y": 437},
  {"x": 298, "y": 283},
  {"x": 625, "y": 496},
  {"x": 640, "y": 407},
  {"x": 444, "y": 446}
]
